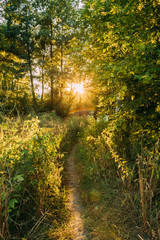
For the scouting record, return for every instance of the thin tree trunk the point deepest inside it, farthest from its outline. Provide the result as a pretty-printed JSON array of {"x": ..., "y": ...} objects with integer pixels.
[
  {"x": 42, "y": 97},
  {"x": 12, "y": 86},
  {"x": 51, "y": 56},
  {"x": 31, "y": 74},
  {"x": 61, "y": 88},
  {"x": 61, "y": 80},
  {"x": 30, "y": 63},
  {"x": 4, "y": 82}
]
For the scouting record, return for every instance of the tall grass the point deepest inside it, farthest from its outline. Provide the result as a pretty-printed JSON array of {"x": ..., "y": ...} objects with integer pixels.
[
  {"x": 111, "y": 157},
  {"x": 32, "y": 199}
]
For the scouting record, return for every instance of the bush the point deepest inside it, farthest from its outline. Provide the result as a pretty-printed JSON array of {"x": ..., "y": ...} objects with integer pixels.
[
  {"x": 14, "y": 103},
  {"x": 129, "y": 153},
  {"x": 32, "y": 198}
]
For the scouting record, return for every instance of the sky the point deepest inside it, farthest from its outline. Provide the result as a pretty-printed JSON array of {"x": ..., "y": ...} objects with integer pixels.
[{"x": 81, "y": 4}]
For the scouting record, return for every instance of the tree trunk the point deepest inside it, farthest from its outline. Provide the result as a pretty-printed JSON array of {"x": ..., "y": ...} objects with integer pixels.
[
  {"x": 51, "y": 56},
  {"x": 4, "y": 82},
  {"x": 31, "y": 75},
  {"x": 30, "y": 61},
  {"x": 42, "y": 97},
  {"x": 61, "y": 82}
]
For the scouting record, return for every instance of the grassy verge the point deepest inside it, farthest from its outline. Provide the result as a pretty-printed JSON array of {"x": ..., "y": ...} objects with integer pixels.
[
  {"x": 120, "y": 182},
  {"x": 109, "y": 214},
  {"x": 33, "y": 198}
]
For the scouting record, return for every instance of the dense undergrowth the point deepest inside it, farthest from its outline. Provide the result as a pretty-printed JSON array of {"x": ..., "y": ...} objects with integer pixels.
[
  {"x": 119, "y": 178},
  {"x": 120, "y": 182},
  {"x": 33, "y": 200}
]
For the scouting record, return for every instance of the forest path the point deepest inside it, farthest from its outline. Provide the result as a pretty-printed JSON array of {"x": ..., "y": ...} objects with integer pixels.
[{"x": 74, "y": 201}]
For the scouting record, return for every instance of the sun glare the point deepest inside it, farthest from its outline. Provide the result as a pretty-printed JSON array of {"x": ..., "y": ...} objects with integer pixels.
[{"x": 76, "y": 87}]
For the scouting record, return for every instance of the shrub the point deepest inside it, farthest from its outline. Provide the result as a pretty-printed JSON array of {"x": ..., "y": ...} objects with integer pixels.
[{"x": 32, "y": 198}]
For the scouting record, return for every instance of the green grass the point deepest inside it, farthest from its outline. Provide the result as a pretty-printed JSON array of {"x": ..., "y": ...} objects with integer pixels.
[
  {"x": 108, "y": 212},
  {"x": 32, "y": 194}
]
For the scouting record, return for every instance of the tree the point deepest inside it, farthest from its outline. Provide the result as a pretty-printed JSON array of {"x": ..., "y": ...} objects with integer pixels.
[
  {"x": 122, "y": 46},
  {"x": 18, "y": 33},
  {"x": 56, "y": 28}
]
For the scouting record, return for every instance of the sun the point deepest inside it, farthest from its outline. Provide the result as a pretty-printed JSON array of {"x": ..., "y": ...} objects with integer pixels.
[{"x": 77, "y": 88}]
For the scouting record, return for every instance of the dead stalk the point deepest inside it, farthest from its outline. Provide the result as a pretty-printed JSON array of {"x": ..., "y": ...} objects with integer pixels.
[
  {"x": 143, "y": 203},
  {"x": 140, "y": 237},
  {"x": 38, "y": 223},
  {"x": 6, "y": 226}
]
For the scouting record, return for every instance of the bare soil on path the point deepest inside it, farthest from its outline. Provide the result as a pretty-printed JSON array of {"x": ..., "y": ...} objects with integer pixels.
[{"x": 74, "y": 201}]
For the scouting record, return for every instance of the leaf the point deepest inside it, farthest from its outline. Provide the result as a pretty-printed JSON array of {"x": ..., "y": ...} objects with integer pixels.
[
  {"x": 12, "y": 203},
  {"x": 19, "y": 178}
]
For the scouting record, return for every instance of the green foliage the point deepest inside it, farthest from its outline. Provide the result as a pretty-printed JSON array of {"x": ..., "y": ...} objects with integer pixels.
[
  {"x": 116, "y": 149},
  {"x": 34, "y": 40},
  {"x": 32, "y": 198},
  {"x": 116, "y": 49},
  {"x": 74, "y": 126},
  {"x": 99, "y": 158},
  {"x": 14, "y": 103},
  {"x": 62, "y": 106},
  {"x": 122, "y": 55},
  {"x": 109, "y": 213}
]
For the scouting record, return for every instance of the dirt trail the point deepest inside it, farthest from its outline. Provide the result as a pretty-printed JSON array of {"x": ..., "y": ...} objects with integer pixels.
[{"x": 74, "y": 203}]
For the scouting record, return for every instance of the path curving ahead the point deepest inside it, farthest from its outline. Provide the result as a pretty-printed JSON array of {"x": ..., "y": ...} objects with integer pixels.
[{"x": 74, "y": 201}]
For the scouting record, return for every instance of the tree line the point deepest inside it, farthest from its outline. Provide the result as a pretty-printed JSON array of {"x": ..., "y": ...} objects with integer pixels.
[{"x": 34, "y": 47}]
